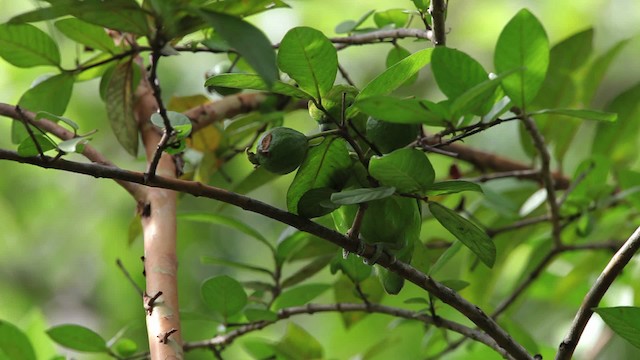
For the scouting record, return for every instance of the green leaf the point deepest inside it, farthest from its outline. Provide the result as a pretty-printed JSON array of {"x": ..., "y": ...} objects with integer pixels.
[
  {"x": 289, "y": 244},
  {"x": 596, "y": 71},
  {"x": 125, "y": 347},
  {"x": 259, "y": 348},
  {"x": 297, "y": 343},
  {"x": 579, "y": 113},
  {"x": 24, "y": 45},
  {"x": 421, "y": 5},
  {"x": 122, "y": 15},
  {"x": 396, "y": 54},
  {"x": 235, "y": 264},
  {"x": 316, "y": 202},
  {"x": 248, "y": 41},
  {"x": 465, "y": 231},
  {"x": 451, "y": 187},
  {"x": 56, "y": 118},
  {"x": 326, "y": 165},
  {"x": 408, "y": 170},
  {"x": 456, "y": 285},
  {"x": 255, "y": 82},
  {"x": 224, "y": 295},
  {"x": 345, "y": 292},
  {"x": 523, "y": 44},
  {"x": 615, "y": 140},
  {"x": 393, "y": 77},
  {"x": 456, "y": 72},
  {"x": 260, "y": 315},
  {"x": 244, "y": 8},
  {"x": 396, "y": 18},
  {"x": 624, "y": 321},
  {"x": 87, "y": 34},
  {"x": 352, "y": 266},
  {"x": 228, "y": 222},
  {"x": 357, "y": 196},
  {"x": 28, "y": 148},
  {"x": 299, "y": 295},
  {"x": 78, "y": 338},
  {"x": 348, "y": 26},
  {"x": 445, "y": 257},
  {"x": 307, "y": 271},
  {"x": 477, "y": 95},
  {"x": 119, "y": 101},
  {"x": 73, "y": 145},
  {"x": 14, "y": 344},
  {"x": 51, "y": 95},
  {"x": 399, "y": 111},
  {"x": 310, "y": 59},
  {"x": 179, "y": 122}
]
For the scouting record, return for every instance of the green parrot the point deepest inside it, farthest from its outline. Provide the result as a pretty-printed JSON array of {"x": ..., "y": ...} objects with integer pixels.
[{"x": 392, "y": 223}]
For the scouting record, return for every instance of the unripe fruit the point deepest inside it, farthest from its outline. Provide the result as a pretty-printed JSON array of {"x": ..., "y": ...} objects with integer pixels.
[
  {"x": 332, "y": 102},
  {"x": 280, "y": 150},
  {"x": 388, "y": 136}
]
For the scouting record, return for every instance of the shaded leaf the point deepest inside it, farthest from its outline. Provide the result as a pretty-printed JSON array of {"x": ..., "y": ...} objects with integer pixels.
[
  {"x": 451, "y": 187},
  {"x": 78, "y": 338},
  {"x": 445, "y": 257},
  {"x": 260, "y": 315},
  {"x": 307, "y": 271},
  {"x": 580, "y": 113},
  {"x": 248, "y": 41},
  {"x": 28, "y": 148},
  {"x": 465, "y": 231},
  {"x": 51, "y": 95},
  {"x": 56, "y": 118},
  {"x": 316, "y": 202},
  {"x": 310, "y": 59},
  {"x": 352, "y": 266},
  {"x": 523, "y": 44},
  {"x": 300, "y": 295},
  {"x": 297, "y": 343},
  {"x": 224, "y": 295},
  {"x": 396, "y": 54},
  {"x": 408, "y": 170},
  {"x": 596, "y": 71},
  {"x": 255, "y": 82},
  {"x": 396, "y": 18},
  {"x": 326, "y": 165},
  {"x": 456, "y": 72},
  {"x": 180, "y": 123},
  {"x": 357, "y": 196},
  {"x": 119, "y": 101},
  {"x": 478, "y": 95},
  {"x": 24, "y": 45},
  {"x": 14, "y": 344},
  {"x": 350, "y": 25}
]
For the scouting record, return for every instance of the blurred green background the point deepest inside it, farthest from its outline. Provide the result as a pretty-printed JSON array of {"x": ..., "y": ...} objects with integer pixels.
[{"x": 60, "y": 233}]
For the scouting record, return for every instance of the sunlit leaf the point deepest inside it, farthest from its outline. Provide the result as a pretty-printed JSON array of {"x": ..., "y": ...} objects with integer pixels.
[
  {"x": 28, "y": 148},
  {"x": 14, "y": 344},
  {"x": 395, "y": 18},
  {"x": 399, "y": 111},
  {"x": 451, "y": 187},
  {"x": 87, "y": 34},
  {"x": 255, "y": 82},
  {"x": 51, "y": 95},
  {"x": 24, "y": 45},
  {"x": 357, "y": 196},
  {"x": 523, "y": 44},
  {"x": 580, "y": 113},
  {"x": 310, "y": 59},
  {"x": 624, "y": 321}
]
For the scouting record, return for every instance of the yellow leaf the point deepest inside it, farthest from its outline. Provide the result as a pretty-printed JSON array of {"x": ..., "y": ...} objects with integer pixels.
[
  {"x": 206, "y": 139},
  {"x": 184, "y": 103}
]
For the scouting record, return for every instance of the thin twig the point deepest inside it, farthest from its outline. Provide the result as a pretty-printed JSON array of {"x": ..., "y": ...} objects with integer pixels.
[
  {"x": 345, "y": 75},
  {"x": 128, "y": 276},
  {"x": 547, "y": 178},
  {"x": 168, "y": 129},
  {"x": 226, "y": 339},
  {"x": 595, "y": 294},
  {"x": 518, "y": 174}
]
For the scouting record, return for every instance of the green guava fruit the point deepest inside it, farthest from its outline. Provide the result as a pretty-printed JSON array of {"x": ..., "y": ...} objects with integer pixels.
[
  {"x": 332, "y": 102},
  {"x": 280, "y": 150},
  {"x": 388, "y": 136},
  {"x": 223, "y": 67}
]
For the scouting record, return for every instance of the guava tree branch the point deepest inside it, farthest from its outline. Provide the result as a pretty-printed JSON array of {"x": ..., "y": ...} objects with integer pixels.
[
  {"x": 595, "y": 294},
  {"x": 547, "y": 178},
  {"x": 310, "y": 309},
  {"x": 437, "y": 10},
  {"x": 381, "y": 36},
  {"x": 445, "y": 294},
  {"x": 89, "y": 151}
]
